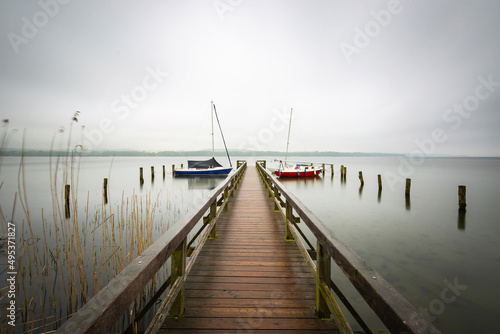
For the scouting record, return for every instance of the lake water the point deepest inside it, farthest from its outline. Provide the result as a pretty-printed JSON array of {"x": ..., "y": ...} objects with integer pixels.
[{"x": 446, "y": 264}]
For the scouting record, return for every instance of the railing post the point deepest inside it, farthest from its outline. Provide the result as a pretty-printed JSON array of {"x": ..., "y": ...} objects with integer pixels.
[
  {"x": 275, "y": 198},
  {"x": 226, "y": 199},
  {"x": 323, "y": 265},
  {"x": 289, "y": 220},
  {"x": 178, "y": 269},
  {"x": 213, "y": 213}
]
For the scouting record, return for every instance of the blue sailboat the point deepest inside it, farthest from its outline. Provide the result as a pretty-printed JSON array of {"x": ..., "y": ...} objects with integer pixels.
[{"x": 208, "y": 167}]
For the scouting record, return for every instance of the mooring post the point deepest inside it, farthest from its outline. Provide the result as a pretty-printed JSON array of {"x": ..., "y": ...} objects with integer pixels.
[
  {"x": 341, "y": 171},
  {"x": 323, "y": 169},
  {"x": 141, "y": 176},
  {"x": 178, "y": 269},
  {"x": 407, "y": 188},
  {"x": 462, "y": 203},
  {"x": 182, "y": 166},
  {"x": 163, "y": 172},
  {"x": 105, "y": 190},
  {"x": 173, "y": 170},
  {"x": 379, "y": 182},
  {"x": 152, "y": 173},
  {"x": 66, "y": 201},
  {"x": 332, "y": 168},
  {"x": 361, "y": 178},
  {"x": 324, "y": 274}
]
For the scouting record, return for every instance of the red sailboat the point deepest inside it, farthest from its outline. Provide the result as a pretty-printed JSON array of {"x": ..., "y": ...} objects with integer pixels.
[{"x": 295, "y": 169}]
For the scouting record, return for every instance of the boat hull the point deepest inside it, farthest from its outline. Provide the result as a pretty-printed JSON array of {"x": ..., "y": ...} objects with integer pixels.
[
  {"x": 218, "y": 171},
  {"x": 297, "y": 173}
]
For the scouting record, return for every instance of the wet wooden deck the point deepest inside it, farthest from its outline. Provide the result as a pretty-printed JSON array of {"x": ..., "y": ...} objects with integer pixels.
[{"x": 250, "y": 279}]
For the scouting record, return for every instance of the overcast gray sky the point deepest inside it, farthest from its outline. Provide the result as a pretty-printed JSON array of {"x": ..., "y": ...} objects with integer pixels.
[{"x": 372, "y": 76}]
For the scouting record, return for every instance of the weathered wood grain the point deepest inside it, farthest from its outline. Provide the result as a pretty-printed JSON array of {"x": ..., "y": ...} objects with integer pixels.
[{"x": 250, "y": 279}]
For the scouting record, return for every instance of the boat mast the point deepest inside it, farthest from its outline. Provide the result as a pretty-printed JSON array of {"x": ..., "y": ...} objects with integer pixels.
[
  {"x": 288, "y": 140},
  {"x": 212, "y": 114}
]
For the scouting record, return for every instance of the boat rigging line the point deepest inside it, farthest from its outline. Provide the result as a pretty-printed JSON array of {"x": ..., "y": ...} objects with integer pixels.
[{"x": 223, "y": 140}]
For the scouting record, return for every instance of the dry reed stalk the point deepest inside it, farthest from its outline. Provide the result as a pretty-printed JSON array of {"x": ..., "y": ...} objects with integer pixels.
[{"x": 37, "y": 267}]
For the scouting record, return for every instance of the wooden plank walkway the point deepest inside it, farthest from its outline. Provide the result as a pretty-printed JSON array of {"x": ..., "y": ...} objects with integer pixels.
[{"x": 250, "y": 279}]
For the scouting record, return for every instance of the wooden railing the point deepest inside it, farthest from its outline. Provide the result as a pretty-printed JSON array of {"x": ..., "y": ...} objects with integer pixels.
[
  {"x": 397, "y": 314},
  {"x": 102, "y": 312}
]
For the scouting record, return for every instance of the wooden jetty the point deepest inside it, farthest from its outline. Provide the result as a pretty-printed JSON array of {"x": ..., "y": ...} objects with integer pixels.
[
  {"x": 246, "y": 269},
  {"x": 249, "y": 277}
]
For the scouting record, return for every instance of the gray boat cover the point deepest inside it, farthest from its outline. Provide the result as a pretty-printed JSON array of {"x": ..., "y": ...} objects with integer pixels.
[{"x": 211, "y": 163}]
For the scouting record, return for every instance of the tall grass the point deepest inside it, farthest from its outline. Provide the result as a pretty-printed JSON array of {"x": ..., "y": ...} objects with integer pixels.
[{"x": 60, "y": 269}]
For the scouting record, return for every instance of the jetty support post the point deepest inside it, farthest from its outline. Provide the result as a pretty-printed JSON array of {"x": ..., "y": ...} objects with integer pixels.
[
  {"x": 324, "y": 277},
  {"x": 178, "y": 270},
  {"x": 462, "y": 203},
  {"x": 105, "y": 190},
  {"x": 141, "y": 176},
  {"x": 66, "y": 201}
]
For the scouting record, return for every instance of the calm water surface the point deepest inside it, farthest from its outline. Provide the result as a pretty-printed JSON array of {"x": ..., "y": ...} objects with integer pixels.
[
  {"x": 424, "y": 246},
  {"x": 421, "y": 246}
]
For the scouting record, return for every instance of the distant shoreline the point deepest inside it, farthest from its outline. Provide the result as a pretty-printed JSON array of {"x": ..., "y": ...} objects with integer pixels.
[{"x": 234, "y": 153}]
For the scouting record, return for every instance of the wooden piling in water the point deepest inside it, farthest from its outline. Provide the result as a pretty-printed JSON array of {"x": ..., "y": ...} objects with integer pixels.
[
  {"x": 152, "y": 173},
  {"x": 163, "y": 171},
  {"x": 323, "y": 169},
  {"x": 105, "y": 190},
  {"x": 66, "y": 201},
  {"x": 341, "y": 171},
  {"x": 332, "y": 168},
  {"x": 407, "y": 188},
  {"x": 141, "y": 175},
  {"x": 462, "y": 203},
  {"x": 173, "y": 170},
  {"x": 361, "y": 178},
  {"x": 379, "y": 182}
]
